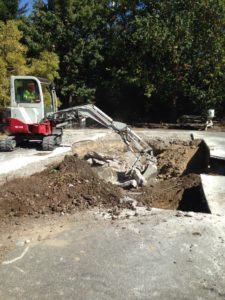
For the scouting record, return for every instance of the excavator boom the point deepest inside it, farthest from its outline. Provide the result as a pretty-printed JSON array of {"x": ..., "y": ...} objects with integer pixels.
[
  {"x": 94, "y": 113},
  {"x": 132, "y": 140}
]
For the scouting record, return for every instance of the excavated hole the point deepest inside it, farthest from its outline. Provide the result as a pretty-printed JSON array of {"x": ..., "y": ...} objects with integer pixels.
[
  {"x": 192, "y": 200},
  {"x": 177, "y": 185}
]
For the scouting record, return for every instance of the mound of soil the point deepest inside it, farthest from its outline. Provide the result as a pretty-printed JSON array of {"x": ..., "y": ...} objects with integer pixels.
[{"x": 68, "y": 187}]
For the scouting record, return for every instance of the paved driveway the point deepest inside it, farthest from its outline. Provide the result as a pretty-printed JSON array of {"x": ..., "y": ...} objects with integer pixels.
[{"x": 163, "y": 255}]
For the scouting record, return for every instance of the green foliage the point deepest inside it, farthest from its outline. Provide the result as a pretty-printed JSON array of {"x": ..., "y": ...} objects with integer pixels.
[
  {"x": 73, "y": 29},
  {"x": 13, "y": 60},
  {"x": 173, "y": 54},
  {"x": 10, "y": 9},
  {"x": 12, "y": 57},
  {"x": 45, "y": 66}
]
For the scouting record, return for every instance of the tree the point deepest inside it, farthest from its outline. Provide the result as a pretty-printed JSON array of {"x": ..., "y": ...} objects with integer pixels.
[
  {"x": 45, "y": 66},
  {"x": 73, "y": 29},
  {"x": 158, "y": 59},
  {"x": 13, "y": 59},
  {"x": 173, "y": 55},
  {"x": 11, "y": 9}
]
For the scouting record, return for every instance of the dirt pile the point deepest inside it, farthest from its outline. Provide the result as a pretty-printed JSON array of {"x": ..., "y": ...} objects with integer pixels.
[{"x": 68, "y": 187}]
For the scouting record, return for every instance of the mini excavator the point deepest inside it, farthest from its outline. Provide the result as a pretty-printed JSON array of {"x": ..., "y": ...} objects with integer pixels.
[{"x": 33, "y": 117}]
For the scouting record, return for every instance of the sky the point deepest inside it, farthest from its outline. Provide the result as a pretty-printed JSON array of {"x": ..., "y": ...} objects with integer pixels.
[{"x": 29, "y": 2}]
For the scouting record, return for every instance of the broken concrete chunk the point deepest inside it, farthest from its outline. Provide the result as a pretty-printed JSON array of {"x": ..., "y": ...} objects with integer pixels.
[
  {"x": 127, "y": 200},
  {"x": 89, "y": 161},
  {"x": 136, "y": 174},
  {"x": 189, "y": 214},
  {"x": 130, "y": 201},
  {"x": 99, "y": 156},
  {"x": 98, "y": 162},
  {"x": 150, "y": 172},
  {"x": 114, "y": 164},
  {"x": 108, "y": 174},
  {"x": 128, "y": 184}
]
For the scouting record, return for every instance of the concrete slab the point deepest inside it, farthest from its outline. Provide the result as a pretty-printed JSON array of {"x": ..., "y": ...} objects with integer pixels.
[
  {"x": 215, "y": 141},
  {"x": 21, "y": 158},
  {"x": 217, "y": 154},
  {"x": 214, "y": 192},
  {"x": 164, "y": 255},
  {"x": 24, "y": 161}
]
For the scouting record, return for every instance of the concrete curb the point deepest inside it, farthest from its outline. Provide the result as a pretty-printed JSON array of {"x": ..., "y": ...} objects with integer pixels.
[{"x": 213, "y": 188}]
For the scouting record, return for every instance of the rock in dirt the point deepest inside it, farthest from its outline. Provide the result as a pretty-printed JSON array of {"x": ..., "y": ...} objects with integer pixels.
[
  {"x": 136, "y": 174},
  {"x": 128, "y": 184},
  {"x": 99, "y": 156},
  {"x": 98, "y": 162}
]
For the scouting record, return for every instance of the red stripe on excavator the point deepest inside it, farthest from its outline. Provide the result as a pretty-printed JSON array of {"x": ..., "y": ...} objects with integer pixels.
[{"x": 14, "y": 126}]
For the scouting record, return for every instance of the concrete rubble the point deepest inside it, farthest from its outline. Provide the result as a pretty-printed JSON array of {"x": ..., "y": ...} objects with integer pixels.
[{"x": 122, "y": 171}]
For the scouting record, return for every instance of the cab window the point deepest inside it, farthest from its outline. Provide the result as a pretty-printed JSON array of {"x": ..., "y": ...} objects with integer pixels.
[{"x": 26, "y": 91}]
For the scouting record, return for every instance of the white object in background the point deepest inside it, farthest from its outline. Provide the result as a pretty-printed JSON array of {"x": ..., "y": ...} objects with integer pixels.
[{"x": 211, "y": 113}]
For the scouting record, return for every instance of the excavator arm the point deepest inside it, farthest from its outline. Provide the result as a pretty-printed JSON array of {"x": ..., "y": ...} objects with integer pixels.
[
  {"x": 94, "y": 113},
  {"x": 132, "y": 140}
]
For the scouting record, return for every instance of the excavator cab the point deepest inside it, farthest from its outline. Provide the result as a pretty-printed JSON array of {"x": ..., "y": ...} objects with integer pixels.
[{"x": 32, "y": 98}]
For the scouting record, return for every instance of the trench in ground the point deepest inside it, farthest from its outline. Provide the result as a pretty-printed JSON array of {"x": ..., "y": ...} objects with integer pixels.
[
  {"x": 73, "y": 185},
  {"x": 177, "y": 185}
]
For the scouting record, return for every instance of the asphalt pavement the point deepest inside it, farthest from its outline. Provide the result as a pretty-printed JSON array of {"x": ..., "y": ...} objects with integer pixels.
[{"x": 163, "y": 255}]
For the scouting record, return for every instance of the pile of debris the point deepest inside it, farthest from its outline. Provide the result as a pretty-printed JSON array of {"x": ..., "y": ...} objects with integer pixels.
[
  {"x": 125, "y": 170},
  {"x": 174, "y": 158}
]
